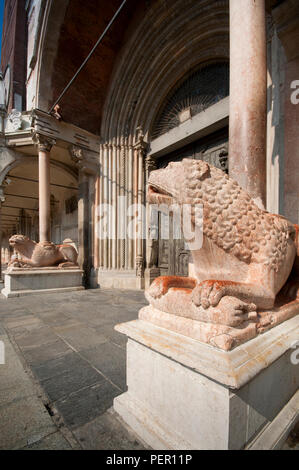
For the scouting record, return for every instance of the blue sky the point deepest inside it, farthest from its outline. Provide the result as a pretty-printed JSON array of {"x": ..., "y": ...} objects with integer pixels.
[{"x": 1, "y": 20}]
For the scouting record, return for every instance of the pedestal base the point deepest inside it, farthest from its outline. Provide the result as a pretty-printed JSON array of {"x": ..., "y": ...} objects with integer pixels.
[
  {"x": 19, "y": 282},
  {"x": 184, "y": 394},
  {"x": 118, "y": 279}
]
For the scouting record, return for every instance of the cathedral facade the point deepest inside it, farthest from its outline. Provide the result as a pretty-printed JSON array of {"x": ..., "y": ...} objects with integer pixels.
[{"x": 216, "y": 80}]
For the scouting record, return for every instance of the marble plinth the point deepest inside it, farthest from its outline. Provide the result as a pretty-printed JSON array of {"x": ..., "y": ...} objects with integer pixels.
[
  {"x": 185, "y": 394},
  {"x": 19, "y": 282}
]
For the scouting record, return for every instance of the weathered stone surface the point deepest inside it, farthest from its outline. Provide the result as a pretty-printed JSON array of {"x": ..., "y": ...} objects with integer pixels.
[
  {"x": 22, "y": 421},
  {"x": 21, "y": 282},
  {"x": 107, "y": 432},
  {"x": 37, "y": 355},
  {"x": 110, "y": 360},
  {"x": 84, "y": 405},
  {"x": 30, "y": 321},
  {"x": 79, "y": 337},
  {"x": 242, "y": 257},
  {"x": 183, "y": 394},
  {"x": 54, "y": 441},
  {"x": 66, "y": 375}
]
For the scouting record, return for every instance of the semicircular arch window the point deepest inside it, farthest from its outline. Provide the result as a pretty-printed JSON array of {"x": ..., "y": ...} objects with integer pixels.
[{"x": 200, "y": 90}]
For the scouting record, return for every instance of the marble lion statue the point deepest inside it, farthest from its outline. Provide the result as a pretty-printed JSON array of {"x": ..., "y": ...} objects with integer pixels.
[
  {"x": 42, "y": 254},
  {"x": 246, "y": 257}
]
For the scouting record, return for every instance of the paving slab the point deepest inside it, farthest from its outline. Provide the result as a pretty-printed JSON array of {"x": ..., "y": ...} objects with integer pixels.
[
  {"x": 23, "y": 421},
  {"x": 86, "y": 404},
  {"x": 46, "y": 352},
  {"x": 112, "y": 335},
  {"x": 75, "y": 377},
  {"x": 109, "y": 359},
  {"x": 79, "y": 337},
  {"x": 36, "y": 338},
  {"x": 15, "y": 383},
  {"x": 78, "y": 360},
  {"x": 53, "y": 441},
  {"x": 106, "y": 432}
]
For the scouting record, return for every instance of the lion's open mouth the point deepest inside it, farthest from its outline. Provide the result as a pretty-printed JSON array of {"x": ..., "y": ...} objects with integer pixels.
[{"x": 158, "y": 195}]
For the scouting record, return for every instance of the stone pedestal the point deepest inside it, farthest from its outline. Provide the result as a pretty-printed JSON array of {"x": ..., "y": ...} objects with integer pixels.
[
  {"x": 19, "y": 282},
  {"x": 184, "y": 394},
  {"x": 119, "y": 279}
]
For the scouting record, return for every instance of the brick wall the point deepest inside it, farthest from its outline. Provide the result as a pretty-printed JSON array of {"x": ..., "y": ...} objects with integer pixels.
[{"x": 14, "y": 49}]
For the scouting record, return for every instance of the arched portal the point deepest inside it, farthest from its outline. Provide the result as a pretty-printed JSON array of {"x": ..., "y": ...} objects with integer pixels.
[{"x": 166, "y": 45}]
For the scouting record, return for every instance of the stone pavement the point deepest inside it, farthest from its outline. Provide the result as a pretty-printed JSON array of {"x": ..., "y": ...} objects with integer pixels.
[{"x": 64, "y": 364}]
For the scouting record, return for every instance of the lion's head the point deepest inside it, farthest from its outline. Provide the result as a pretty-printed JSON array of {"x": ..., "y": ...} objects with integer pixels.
[
  {"x": 18, "y": 240},
  {"x": 168, "y": 185}
]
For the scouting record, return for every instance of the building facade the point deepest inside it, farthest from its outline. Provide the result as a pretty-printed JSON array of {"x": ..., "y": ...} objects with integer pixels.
[{"x": 211, "y": 79}]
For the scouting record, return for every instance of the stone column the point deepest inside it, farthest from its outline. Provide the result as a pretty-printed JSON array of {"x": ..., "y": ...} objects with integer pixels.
[
  {"x": 248, "y": 97},
  {"x": 152, "y": 243},
  {"x": 88, "y": 170},
  {"x": 44, "y": 147},
  {"x": 140, "y": 147}
]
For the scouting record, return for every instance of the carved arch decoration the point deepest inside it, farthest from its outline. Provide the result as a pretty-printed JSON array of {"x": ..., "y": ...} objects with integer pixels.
[
  {"x": 199, "y": 90},
  {"x": 170, "y": 40}
]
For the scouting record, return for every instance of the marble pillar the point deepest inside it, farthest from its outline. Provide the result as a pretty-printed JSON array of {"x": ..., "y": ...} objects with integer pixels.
[
  {"x": 248, "y": 97},
  {"x": 44, "y": 145},
  {"x": 88, "y": 172}
]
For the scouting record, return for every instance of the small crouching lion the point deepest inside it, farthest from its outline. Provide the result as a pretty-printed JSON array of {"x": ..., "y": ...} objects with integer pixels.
[
  {"x": 42, "y": 254},
  {"x": 247, "y": 254}
]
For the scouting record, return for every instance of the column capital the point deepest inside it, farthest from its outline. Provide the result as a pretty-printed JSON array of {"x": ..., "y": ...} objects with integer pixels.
[
  {"x": 43, "y": 142},
  {"x": 77, "y": 154},
  {"x": 150, "y": 163},
  {"x": 83, "y": 160},
  {"x": 140, "y": 143}
]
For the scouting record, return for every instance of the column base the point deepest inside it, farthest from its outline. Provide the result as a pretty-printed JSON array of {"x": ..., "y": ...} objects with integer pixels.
[
  {"x": 19, "y": 282},
  {"x": 184, "y": 394}
]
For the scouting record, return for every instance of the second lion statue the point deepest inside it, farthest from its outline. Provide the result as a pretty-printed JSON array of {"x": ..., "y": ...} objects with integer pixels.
[{"x": 42, "y": 254}]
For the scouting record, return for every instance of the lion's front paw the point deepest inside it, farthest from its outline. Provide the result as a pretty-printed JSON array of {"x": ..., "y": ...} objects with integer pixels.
[
  {"x": 158, "y": 288},
  {"x": 236, "y": 312},
  {"x": 14, "y": 264},
  {"x": 208, "y": 293}
]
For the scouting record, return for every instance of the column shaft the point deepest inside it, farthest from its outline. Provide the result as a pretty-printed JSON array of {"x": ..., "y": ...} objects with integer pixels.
[
  {"x": 248, "y": 97},
  {"x": 44, "y": 148}
]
